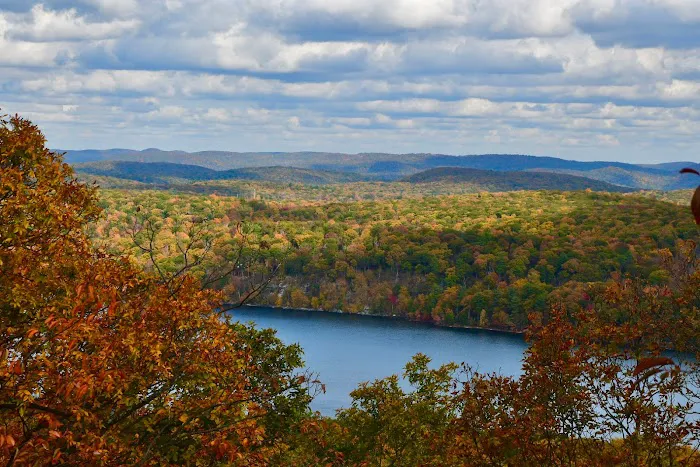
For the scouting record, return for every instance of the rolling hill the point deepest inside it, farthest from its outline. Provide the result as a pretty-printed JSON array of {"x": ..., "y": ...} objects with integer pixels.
[
  {"x": 382, "y": 166},
  {"x": 491, "y": 180},
  {"x": 161, "y": 173},
  {"x": 147, "y": 172},
  {"x": 291, "y": 175},
  {"x": 666, "y": 181}
]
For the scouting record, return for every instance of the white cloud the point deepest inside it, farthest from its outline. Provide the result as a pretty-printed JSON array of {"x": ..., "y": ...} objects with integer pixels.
[
  {"x": 44, "y": 25},
  {"x": 687, "y": 91},
  {"x": 28, "y": 54},
  {"x": 506, "y": 18}
]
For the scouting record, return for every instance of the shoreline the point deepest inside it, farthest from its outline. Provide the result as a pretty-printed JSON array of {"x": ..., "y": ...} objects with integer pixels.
[{"x": 398, "y": 318}]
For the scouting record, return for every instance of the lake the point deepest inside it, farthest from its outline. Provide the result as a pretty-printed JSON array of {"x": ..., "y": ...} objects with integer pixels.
[{"x": 346, "y": 350}]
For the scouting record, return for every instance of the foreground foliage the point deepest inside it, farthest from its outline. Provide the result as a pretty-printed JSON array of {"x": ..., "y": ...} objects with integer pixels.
[{"x": 103, "y": 364}]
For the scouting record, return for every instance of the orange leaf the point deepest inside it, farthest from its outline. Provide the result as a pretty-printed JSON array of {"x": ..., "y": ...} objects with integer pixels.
[
  {"x": 83, "y": 388},
  {"x": 646, "y": 363},
  {"x": 16, "y": 368},
  {"x": 112, "y": 307}
]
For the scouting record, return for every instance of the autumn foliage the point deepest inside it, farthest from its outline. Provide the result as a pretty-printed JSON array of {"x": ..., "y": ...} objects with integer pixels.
[
  {"x": 101, "y": 363},
  {"x": 489, "y": 260}
]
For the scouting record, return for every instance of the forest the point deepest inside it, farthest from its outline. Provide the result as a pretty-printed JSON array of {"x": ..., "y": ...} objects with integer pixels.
[
  {"x": 117, "y": 348},
  {"x": 490, "y": 260}
]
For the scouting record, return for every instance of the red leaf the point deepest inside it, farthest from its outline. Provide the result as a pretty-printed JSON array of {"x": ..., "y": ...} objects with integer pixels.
[
  {"x": 646, "y": 363},
  {"x": 112, "y": 307},
  {"x": 695, "y": 205}
]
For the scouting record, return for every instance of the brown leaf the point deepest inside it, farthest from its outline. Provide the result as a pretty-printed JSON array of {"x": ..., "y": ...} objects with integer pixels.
[
  {"x": 695, "y": 205},
  {"x": 646, "y": 363},
  {"x": 648, "y": 374}
]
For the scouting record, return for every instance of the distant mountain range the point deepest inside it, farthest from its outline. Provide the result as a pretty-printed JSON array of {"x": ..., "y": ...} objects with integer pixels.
[
  {"x": 166, "y": 173},
  {"x": 366, "y": 166}
]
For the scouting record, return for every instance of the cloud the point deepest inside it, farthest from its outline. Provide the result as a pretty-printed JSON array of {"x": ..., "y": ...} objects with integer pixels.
[
  {"x": 27, "y": 54},
  {"x": 340, "y": 19},
  {"x": 42, "y": 25},
  {"x": 110, "y": 8},
  {"x": 583, "y": 78},
  {"x": 673, "y": 24}
]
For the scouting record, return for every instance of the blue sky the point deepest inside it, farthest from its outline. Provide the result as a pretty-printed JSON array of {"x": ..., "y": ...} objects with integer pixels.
[{"x": 586, "y": 79}]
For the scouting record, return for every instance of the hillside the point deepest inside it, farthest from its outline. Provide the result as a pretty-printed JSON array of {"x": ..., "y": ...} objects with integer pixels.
[
  {"x": 291, "y": 175},
  {"x": 308, "y": 184},
  {"x": 116, "y": 183},
  {"x": 382, "y": 166},
  {"x": 151, "y": 172},
  {"x": 673, "y": 166},
  {"x": 669, "y": 180},
  {"x": 443, "y": 259},
  {"x": 490, "y": 180},
  {"x": 167, "y": 173}
]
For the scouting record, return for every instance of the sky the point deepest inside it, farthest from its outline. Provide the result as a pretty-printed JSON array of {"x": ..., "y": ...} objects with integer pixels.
[{"x": 585, "y": 79}]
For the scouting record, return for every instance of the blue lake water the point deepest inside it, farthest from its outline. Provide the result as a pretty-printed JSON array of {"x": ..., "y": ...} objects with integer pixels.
[{"x": 346, "y": 350}]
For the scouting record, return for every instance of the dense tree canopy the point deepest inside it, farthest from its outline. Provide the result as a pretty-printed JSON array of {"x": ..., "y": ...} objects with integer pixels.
[{"x": 487, "y": 260}]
